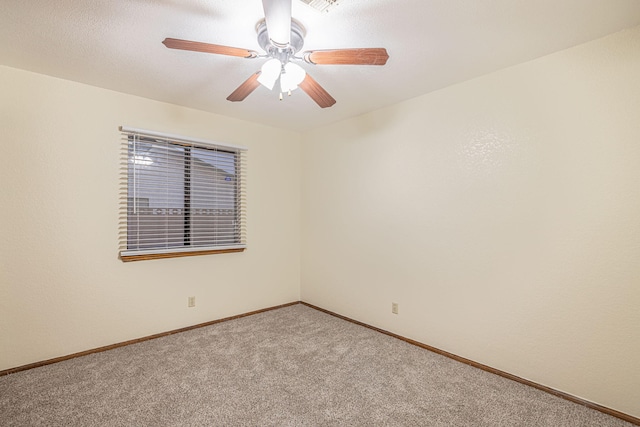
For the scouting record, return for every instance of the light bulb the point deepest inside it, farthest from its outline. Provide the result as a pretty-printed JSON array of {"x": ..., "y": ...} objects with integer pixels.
[
  {"x": 270, "y": 72},
  {"x": 292, "y": 76}
]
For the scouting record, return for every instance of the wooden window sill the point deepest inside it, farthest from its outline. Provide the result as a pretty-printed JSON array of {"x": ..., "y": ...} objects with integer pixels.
[{"x": 144, "y": 257}]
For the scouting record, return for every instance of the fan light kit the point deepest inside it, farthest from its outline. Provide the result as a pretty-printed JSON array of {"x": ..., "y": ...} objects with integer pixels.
[
  {"x": 279, "y": 66},
  {"x": 282, "y": 37}
]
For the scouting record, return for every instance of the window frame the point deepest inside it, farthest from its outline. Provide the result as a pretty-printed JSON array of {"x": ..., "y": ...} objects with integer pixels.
[{"x": 170, "y": 250}]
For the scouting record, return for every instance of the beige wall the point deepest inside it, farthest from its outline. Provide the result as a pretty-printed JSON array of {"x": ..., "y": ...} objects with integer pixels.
[
  {"x": 62, "y": 287},
  {"x": 501, "y": 214}
]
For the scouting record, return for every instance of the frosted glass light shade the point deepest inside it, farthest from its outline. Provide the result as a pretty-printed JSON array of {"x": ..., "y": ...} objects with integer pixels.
[
  {"x": 270, "y": 72},
  {"x": 293, "y": 75}
]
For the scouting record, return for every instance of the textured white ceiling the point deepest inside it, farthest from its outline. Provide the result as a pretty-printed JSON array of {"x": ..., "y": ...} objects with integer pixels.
[{"x": 431, "y": 44}]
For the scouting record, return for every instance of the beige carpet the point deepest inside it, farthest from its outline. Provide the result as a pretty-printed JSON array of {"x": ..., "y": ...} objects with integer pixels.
[{"x": 294, "y": 366}]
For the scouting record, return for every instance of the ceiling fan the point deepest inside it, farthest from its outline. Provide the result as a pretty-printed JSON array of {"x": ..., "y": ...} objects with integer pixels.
[{"x": 281, "y": 37}]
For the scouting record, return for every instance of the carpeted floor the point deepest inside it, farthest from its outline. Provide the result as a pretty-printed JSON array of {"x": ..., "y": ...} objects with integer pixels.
[{"x": 294, "y": 366}]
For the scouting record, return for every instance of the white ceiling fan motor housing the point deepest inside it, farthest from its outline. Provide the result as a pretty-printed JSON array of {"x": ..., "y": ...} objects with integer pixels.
[{"x": 295, "y": 44}]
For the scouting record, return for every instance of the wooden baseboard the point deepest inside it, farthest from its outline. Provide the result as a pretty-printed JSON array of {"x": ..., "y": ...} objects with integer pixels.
[
  {"x": 135, "y": 341},
  {"x": 626, "y": 417}
]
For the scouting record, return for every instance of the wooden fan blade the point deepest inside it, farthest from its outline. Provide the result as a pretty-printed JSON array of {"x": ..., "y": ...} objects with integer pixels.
[
  {"x": 208, "y": 48},
  {"x": 316, "y": 92},
  {"x": 245, "y": 88},
  {"x": 277, "y": 14},
  {"x": 366, "y": 56}
]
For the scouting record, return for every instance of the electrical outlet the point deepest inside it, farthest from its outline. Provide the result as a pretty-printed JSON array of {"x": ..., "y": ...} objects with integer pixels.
[
  {"x": 192, "y": 301},
  {"x": 394, "y": 307}
]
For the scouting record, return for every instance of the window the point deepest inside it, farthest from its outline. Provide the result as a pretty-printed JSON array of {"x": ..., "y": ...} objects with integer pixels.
[{"x": 183, "y": 196}]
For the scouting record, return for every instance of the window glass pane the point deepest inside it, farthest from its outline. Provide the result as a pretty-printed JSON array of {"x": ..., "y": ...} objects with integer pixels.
[
  {"x": 213, "y": 197},
  {"x": 155, "y": 195}
]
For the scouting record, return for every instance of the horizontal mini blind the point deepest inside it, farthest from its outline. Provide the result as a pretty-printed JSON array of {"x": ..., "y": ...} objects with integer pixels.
[{"x": 180, "y": 195}]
